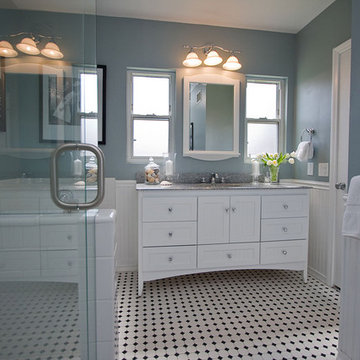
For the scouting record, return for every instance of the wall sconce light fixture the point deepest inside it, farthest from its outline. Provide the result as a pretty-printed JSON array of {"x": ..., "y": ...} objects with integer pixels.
[
  {"x": 29, "y": 45},
  {"x": 212, "y": 57}
]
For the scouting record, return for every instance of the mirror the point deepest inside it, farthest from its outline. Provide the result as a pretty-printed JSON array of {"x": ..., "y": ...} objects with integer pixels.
[
  {"x": 211, "y": 117},
  {"x": 42, "y": 104}
]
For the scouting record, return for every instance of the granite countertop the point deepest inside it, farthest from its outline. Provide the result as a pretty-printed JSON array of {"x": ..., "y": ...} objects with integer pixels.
[{"x": 222, "y": 186}]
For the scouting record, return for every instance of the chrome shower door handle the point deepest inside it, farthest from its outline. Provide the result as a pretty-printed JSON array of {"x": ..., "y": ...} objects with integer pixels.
[{"x": 54, "y": 183}]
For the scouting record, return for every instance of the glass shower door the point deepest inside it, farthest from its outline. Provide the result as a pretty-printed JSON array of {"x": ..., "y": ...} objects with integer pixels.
[{"x": 47, "y": 252}]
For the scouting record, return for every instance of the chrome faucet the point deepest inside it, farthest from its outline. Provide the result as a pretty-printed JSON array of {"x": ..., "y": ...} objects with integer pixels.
[{"x": 214, "y": 178}]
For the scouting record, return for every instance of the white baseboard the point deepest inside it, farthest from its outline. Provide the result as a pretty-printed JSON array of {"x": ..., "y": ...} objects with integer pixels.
[
  {"x": 342, "y": 356},
  {"x": 126, "y": 268},
  {"x": 316, "y": 274}
]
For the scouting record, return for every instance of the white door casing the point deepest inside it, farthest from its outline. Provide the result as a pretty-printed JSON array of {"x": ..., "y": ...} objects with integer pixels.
[{"x": 339, "y": 151}]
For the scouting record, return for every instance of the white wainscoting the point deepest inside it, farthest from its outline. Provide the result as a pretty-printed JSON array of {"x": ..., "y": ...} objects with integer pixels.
[
  {"x": 127, "y": 222},
  {"x": 319, "y": 241}
]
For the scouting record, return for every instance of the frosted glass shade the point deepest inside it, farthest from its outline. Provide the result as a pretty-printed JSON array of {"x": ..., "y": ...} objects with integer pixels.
[
  {"x": 232, "y": 63},
  {"x": 192, "y": 60},
  {"x": 28, "y": 46},
  {"x": 52, "y": 51},
  {"x": 6, "y": 49},
  {"x": 213, "y": 58}
]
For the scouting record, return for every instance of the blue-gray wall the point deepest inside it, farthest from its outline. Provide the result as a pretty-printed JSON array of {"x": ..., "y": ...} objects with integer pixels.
[
  {"x": 314, "y": 77},
  {"x": 123, "y": 43},
  {"x": 354, "y": 143},
  {"x": 77, "y": 41}
]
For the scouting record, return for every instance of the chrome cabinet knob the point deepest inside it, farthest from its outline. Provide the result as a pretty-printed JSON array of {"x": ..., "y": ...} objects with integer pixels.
[
  {"x": 229, "y": 256},
  {"x": 69, "y": 237},
  {"x": 170, "y": 234},
  {"x": 227, "y": 210},
  {"x": 170, "y": 209},
  {"x": 284, "y": 252},
  {"x": 70, "y": 263},
  {"x": 285, "y": 206},
  {"x": 170, "y": 259},
  {"x": 233, "y": 209},
  {"x": 284, "y": 229},
  {"x": 340, "y": 186}
]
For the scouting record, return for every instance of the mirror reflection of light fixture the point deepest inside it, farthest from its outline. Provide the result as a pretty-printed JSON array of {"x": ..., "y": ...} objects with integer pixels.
[
  {"x": 28, "y": 46},
  {"x": 232, "y": 63},
  {"x": 192, "y": 59},
  {"x": 52, "y": 51},
  {"x": 212, "y": 57},
  {"x": 7, "y": 50}
]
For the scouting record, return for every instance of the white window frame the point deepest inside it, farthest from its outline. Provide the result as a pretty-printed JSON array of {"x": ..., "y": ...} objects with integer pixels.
[
  {"x": 281, "y": 110},
  {"x": 130, "y": 116}
]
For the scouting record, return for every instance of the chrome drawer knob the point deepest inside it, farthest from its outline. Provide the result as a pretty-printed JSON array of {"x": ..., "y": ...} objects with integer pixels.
[
  {"x": 70, "y": 263},
  {"x": 284, "y": 252},
  {"x": 229, "y": 256},
  {"x": 227, "y": 210},
  {"x": 285, "y": 206},
  {"x": 170, "y": 209},
  {"x": 170, "y": 259},
  {"x": 284, "y": 229},
  {"x": 233, "y": 209},
  {"x": 170, "y": 234},
  {"x": 69, "y": 237}
]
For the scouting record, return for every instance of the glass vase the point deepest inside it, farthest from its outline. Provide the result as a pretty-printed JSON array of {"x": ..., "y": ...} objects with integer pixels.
[{"x": 274, "y": 174}]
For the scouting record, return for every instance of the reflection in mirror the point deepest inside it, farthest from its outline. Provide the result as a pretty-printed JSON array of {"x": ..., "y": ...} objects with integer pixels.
[{"x": 211, "y": 117}]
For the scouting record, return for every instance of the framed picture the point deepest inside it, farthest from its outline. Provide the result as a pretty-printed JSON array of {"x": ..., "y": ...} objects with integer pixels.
[
  {"x": 101, "y": 76},
  {"x": 2, "y": 97},
  {"x": 60, "y": 120},
  {"x": 73, "y": 108}
]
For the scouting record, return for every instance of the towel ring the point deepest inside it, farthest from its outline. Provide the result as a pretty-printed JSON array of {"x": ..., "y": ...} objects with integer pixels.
[{"x": 310, "y": 132}]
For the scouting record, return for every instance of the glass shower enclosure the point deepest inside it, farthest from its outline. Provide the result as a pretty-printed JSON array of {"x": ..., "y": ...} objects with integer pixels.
[{"x": 47, "y": 237}]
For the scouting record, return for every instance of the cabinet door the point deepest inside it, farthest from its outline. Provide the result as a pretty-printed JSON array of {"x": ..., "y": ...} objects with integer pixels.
[
  {"x": 213, "y": 219},
  {"x": 245, "y": 219}
]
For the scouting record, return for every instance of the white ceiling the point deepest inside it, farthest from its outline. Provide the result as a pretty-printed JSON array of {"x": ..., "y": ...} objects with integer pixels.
[{"x": 272, "y": 15}]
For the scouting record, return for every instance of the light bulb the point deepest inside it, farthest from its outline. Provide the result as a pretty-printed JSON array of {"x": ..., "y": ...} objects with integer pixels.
[
  {"x": 213, "y": 58},
  {"x": 52, "y": 51},
  {"x": 28, "y": 46},
  {"x": 232, "y": 63},
  {"x": 6, "y": 49},
  {"x": 192, "y": 60}
]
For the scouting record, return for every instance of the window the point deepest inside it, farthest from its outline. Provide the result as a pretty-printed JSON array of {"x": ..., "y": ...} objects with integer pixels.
[
  {"x": 265, "y": 115},
  {"x": 150, "y": 98},
  {"x": 92, "y": 117}
]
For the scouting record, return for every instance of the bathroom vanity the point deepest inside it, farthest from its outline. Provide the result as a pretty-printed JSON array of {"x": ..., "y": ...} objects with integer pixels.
[{"x": 193, "y": 228}]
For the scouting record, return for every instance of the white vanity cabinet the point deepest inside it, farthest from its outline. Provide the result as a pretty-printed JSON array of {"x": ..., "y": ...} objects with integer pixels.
[
  {"x": 224, "y": 219},
  {"x": 184, "y": 231}
]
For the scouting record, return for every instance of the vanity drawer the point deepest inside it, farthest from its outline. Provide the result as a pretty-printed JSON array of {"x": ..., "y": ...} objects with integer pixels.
[
  {"x": 169, "y": 209},
  {"x": 278, "y": 252},
  {"x": 169, "y": 258},
  {"x": 285, "y": 206},
  {"x": 59, "y": 237},
  {"x": 59, "y": 263},
  {"x": 222, "y": 256},
  {"x": 284, "y": 229},
  {"x": 169, "y": 233}
]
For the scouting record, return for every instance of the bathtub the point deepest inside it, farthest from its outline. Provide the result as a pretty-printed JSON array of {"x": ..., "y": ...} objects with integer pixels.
[{"x": 42, "y": 243}]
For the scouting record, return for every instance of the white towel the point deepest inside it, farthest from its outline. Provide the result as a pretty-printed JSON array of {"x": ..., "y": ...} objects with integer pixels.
[
  {"x": 351, "y": 221},
  {"x": 305, "y": 151}
]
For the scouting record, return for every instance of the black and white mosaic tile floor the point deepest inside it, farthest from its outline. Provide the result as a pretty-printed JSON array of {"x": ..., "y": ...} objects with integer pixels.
[
  {"x": 39, "y": 321},
  {"x": 250, "y": 314}
]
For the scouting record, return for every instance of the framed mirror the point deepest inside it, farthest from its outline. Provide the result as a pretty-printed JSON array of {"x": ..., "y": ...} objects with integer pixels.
[{"x": 211, "y": 117}]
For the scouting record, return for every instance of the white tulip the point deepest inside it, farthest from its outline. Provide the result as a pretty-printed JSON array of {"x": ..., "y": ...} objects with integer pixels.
[
  {"x": 293, "y": 154},
  {"x": 291, "y": 161},
  {"x": 269, "y": 163}
]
